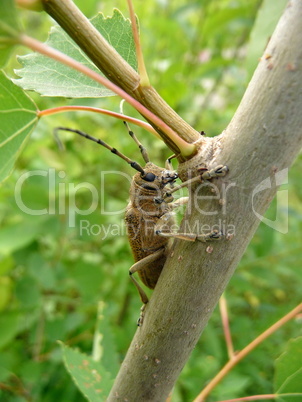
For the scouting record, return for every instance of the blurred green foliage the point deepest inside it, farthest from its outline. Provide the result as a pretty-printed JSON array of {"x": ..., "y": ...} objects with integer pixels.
[{"x": 52, "y": 276}]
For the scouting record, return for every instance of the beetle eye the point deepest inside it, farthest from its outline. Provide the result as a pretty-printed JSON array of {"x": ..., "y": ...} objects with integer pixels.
[{"x": 149, "y": 177}]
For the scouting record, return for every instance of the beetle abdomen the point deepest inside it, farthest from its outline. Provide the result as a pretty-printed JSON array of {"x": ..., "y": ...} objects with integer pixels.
[{"x": 143, "y": 242}]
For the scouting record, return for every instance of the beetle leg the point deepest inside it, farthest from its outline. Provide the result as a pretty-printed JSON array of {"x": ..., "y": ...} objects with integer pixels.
[
  {"x": 141, "y": 316},
  {"x": 214, "y": 235},
  {"x": 181, "y": 201},
  {"x": 140, "y": 265},
  {"x": 218, "y": 171},
  {"x": 163, "y": 225},
  {"x": 137, "y": 267}
]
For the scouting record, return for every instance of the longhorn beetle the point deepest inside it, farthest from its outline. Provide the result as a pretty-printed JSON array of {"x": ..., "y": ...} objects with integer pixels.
[{"x": 149, "y": 214}]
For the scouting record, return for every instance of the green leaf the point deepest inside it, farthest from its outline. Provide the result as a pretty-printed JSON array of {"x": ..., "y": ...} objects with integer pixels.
[
  {"x": 28, "y": 293},
  {"x": 18, "y": 235},
  {"x": 288, "y": 374},
  {"x": 18, "y": 117},
  {"x": 6, "y": 287},
  {"x": 8, "y": 29},
  {"x": 89, "y": 376},
  {"x": 6, "y": 265},
  {"x": 9, "y": 324},
  {"x": 104, "y": 349},
  {"x": 233, "y": 386},
  {"x": 51, "y": 78},
  {"x": 222, "y": 18},
  {"x": 267, "y": 18}
]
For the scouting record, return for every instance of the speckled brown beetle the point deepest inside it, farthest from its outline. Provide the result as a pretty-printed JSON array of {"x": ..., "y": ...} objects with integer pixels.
[{"x": 149, "y": 214}]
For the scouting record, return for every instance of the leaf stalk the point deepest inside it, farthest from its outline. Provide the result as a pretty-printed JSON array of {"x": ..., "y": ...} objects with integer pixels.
[{"x": 186, "y": 148}]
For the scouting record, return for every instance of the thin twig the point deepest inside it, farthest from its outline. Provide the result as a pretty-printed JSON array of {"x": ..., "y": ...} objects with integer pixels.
[
  {"x": 261, "y": 397},
  {"x": 186, "y": 148},
  {"x": 252, "y": 398},
  {"x": 244, "y": 352},
  {"x": 226, "y": 326},
  {"x": 117, "y": 70},
  {"x": 144, "y": 79},
  {"x": 72, "y": 108}
]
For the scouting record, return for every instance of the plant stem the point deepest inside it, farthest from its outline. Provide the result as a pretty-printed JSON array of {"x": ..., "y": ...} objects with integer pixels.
[
  {"x": 186, "y": 149},
  {"x": 244, "y": 352},
  {"x": 252, "y": 398},
  {"x": 107, "y": 59},
  {"x": 144, "y": 79},
  {"x": 226, "y": 326},
  {"x": 259, "y": 145},
  {"x": 262, "y": 397},
  {"x": 73, "y": 108}
]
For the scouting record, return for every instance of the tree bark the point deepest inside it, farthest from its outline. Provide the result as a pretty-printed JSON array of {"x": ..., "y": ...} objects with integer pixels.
[{"x": 259, "y": 145}]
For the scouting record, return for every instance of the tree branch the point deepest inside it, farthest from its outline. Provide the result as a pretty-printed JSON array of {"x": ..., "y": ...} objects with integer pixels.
[
  {"x": 106, "y": 58},
  {"x": 244, "y": 352},
  {"x": 259, "y": 145}
]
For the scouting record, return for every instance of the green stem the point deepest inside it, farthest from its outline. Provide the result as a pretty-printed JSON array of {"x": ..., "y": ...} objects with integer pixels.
[
  {"x": 187, "y": 149},
  {"x": 132, "y": 120},
  {"x": 117, "y": 70},
  {"x": 144, "y": 79}
]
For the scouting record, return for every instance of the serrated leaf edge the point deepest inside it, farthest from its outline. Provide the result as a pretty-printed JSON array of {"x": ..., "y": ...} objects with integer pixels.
[{"x": 62, "y": 345}]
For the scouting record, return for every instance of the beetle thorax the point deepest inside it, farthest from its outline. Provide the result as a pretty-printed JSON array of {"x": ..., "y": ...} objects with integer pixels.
[{"x": 145, "y": 189}]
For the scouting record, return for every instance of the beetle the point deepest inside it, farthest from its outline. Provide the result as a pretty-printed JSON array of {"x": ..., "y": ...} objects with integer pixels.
[{"x": 149, "y": 214}]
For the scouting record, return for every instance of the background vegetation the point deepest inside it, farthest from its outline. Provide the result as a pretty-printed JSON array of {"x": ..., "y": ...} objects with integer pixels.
[{"x": 200, "y": 56}]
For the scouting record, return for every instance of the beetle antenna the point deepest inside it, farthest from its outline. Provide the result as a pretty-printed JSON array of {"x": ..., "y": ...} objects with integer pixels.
[
  {"x": 139, "y": 144},
  {"x": 132, "y": 163},
  {"x": 134, "y": 137}
]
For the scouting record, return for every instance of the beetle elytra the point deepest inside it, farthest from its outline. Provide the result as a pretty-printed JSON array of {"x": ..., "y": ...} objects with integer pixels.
[{"x": 149, "y": 214}]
